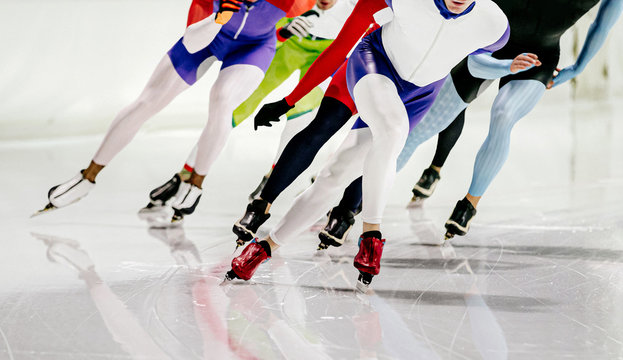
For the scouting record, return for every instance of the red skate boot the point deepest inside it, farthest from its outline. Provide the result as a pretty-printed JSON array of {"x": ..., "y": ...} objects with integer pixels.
[
  {"x": 244, "y": 266},
  {"x": 368, "y": 259}
]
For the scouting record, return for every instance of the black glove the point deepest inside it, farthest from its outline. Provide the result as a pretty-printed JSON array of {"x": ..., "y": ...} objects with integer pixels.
[
  {"x": 229, "y": 5},
  {"x": 271, "y": 113}
]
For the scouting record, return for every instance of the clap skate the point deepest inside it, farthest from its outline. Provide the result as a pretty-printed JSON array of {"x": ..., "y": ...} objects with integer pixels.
[
  {"x": 368, "y": 259},
  {"x": 335, "y": 231},
  {"x": 460, "y": 220},
  {"x": 253, "y": 218},
  {"x": 186, "y": 201},
  {"x": 158, "y": 211},
  {"x": 244, "y": 266},
  {"x": 66, "y": 193},
  {"x": 425, "y": 187}
]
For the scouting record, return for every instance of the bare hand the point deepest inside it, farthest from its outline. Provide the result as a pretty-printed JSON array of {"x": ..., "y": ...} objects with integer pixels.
[{"x": 524, "y": 61}]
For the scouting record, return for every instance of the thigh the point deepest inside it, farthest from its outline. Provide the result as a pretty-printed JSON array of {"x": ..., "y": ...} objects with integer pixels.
[{"x": 190, "y": 67}]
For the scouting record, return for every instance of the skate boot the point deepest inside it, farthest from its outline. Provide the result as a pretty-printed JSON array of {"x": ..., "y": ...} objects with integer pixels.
[
  {"x": 259, "y": 188},
  {"x": 425, "y": 186},
  {"x": 339, "y": 224},
  {"x": 158, "y": 199},
  {"x": 67, "y": 193},
  {"x": 253, "y": 218},
  {"x": 244, "y": 266},
  {"x": 368, "y": 259},
  {"x": 186, "y": 200},
  {"x": 459, "y": 221}
]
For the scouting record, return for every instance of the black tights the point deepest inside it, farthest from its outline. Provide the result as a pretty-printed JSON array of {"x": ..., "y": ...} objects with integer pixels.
[
  {"x": 447, "y": 139},
  {"x": 301, "y": 150}
]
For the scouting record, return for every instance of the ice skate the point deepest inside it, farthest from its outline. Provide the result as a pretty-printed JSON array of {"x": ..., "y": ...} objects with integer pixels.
[
  {"x": 254, "y": 195},
  {"x": 67, "y": 193},
  {"x": 186, "y": 201},
  {"x": 244, "y": 266},
  {"x": 335, "y": 231},
  {"x": 158, "y": 210},
  {"x": 459, "y": 221},
  {"x": 425, "y": 187},
  {"x": 368, "y": 259},
  {"x": 253, "y": 218}
]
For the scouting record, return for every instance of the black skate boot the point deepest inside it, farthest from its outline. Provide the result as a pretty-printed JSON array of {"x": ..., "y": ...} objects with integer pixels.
[
  {"x": 339, "y": 224},
  {"x": 259, "y": 188},
  {"x": 458, "y": 223},
  {"x": 158, "y": 198},
  {"x": 253, "y": 218},
  {"x": 425, "y": 186}
]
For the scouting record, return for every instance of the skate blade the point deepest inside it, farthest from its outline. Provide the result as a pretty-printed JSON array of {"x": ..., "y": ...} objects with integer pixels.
[
  {"x": 238, "y": 245},
  {"x": 415, "y": 203},
  {"x": 361, "y": 287},
  {"x": 48, "y": 208},
  {"x": 448, "y": 236}
]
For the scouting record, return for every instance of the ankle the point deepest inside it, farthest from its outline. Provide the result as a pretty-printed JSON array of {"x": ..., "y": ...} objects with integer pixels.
[
  {"x": 436, "y": 168},
  {"x": 91, "y": 172},
  {"x": 273, "y": 245},
  {"x": 473, "y": 199},
  {"x": 196, "y": 179}
]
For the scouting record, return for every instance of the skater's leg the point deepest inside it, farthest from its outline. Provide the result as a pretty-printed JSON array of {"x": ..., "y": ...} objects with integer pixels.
[
  {"x": 285, "y": 62},
  {"x": 514, "y": 101},
  {"x": 351, "y": 199},
  {"x": 446, "y": 141},
  {"x": 234, "y": 84},
  {"x": 444, "y": 111},
  {"x": 381, "y": 107},
  {"x": 293, "y": 127},
  {"x": 163, "y": 86},
  {"x": 301, "y": 150},
  {"x": 343, "y": 167}
]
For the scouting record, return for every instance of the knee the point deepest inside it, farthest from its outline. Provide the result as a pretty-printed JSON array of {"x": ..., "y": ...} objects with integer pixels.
[
  {"x": 503, "y": 118},
  {"x": 392, "y": 137}
]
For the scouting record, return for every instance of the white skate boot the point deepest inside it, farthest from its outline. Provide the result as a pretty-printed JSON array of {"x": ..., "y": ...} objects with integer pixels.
[
  {"x": 186, "y": 200},
  {"x": 67, "y": 193}
]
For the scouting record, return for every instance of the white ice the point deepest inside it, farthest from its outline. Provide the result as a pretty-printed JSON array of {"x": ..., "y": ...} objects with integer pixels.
[{"x": 538, "y": 276}]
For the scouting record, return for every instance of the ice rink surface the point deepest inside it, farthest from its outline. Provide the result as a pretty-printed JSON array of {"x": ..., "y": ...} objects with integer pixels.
[{"x": 539, "y": 276}]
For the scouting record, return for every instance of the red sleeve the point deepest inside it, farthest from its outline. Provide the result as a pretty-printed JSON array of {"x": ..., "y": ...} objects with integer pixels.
[
  {"x": 331, "y": 59},
  {"x": 293, "y": 8},
  {"x": 199, "y": 10}
]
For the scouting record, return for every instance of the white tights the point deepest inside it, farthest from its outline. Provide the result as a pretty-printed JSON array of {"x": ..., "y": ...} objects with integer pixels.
[
  {"x": 163, "y": 86},
  {"x": 233, "y": 85},
  {"x": 372, "y": 150}
]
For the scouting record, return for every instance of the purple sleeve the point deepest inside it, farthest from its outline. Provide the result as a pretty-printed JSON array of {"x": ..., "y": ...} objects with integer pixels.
[
  {"x": 496, "y": 45},
  {"x": 389, "y": 3}
]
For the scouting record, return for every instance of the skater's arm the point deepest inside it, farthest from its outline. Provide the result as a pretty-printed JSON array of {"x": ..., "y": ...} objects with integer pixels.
[
  {"x": 485, "y": 66},
  {"x": 199, "y": 10},
  {"x": 204, "y": 24},
  {"x": 331, "y": 59},
  {"x": 609, "y": 12}
]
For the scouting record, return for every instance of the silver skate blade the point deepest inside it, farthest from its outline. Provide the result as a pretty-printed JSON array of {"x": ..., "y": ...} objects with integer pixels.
[
  {"x": 361, "y": 287},
  {"x": 48, "y": 208},
  {"x": 415, "y": 203}
]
